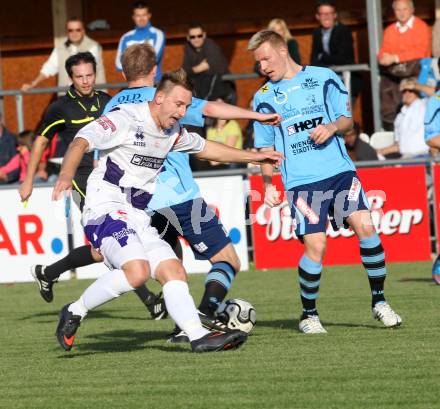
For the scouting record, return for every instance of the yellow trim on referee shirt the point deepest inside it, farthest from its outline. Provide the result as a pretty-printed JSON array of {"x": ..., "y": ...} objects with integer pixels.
[
  {"x": 61, "y": 121},
  {"x": 75, "y": 185},
  {"x": 82, "y": 121}
]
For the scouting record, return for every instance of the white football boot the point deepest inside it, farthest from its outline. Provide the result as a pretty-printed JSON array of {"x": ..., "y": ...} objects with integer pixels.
[
  {"x": 311, "y": 325},
  {"x": 383, "y": 312}
]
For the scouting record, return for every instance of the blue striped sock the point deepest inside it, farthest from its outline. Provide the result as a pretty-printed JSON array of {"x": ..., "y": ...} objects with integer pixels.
[
  {"x": 373, "y": 259},
  {"x": 217, "y": 284},
  {"x": 309, "y": 277}
]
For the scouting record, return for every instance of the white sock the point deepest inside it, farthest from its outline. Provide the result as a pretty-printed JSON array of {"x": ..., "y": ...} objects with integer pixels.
[
  {"x": 107, "y": 287},
  {"x": 181, "y": 307}
]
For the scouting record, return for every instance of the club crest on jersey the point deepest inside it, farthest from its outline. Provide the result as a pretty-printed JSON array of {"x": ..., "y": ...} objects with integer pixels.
[
  {"x": 280, "y": 96},
  {"x": 310, "y": 84},
  {"x": 264, "y": 89}
]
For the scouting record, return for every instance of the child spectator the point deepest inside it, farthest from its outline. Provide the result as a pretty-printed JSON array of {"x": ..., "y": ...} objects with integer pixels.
[{"x": 18, "y": 163}]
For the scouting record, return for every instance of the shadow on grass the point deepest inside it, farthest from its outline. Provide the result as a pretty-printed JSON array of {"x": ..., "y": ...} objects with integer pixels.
[
  {"x": 417, "y": 280},
  {"x": 93, "y": 314},
  {"x": 293, "y": 324},
  {"x": 121, "y": 341},
  {"x": 280, "y": 324}
]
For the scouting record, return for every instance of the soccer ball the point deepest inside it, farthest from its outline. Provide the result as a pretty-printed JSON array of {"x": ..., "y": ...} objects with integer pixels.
[{"x": 237, "y": 314}]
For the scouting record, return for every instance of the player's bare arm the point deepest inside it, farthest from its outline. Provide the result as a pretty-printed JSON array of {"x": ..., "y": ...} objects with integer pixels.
[
  {"x": 74, "y": 154},
  {"x": 324, "y": 132},
  {"x": 218, "y": 152},
  {"x": 272, "y": 196},
  {"x": 38, "y": 148},
  {"x": 220, "y": 110}
]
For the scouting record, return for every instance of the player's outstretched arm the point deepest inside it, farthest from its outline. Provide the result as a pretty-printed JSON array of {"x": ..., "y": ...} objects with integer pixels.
[
  {"x": 222, "y": 153},
  {"x": 324, "y": 132},
  {"x": 220, "y": 110},
  {"x": 38, "y": 148},
  {"x": 71, "y": 160}
]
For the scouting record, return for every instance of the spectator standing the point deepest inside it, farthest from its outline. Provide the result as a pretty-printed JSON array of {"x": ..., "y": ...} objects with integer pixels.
[
  {"x": 75, "y": 42},
  {"x": 280, "y": 27},
  {"x": 205, "y": 63},
  {"x": 408, "y": 126},
  {"x": 8, "y": 142},
  {"x": 357, "y": 149},
  {"x": 143, "y": 32},
  {"x": 332, "y": 43},
  {"x": 404, "y": 44}
]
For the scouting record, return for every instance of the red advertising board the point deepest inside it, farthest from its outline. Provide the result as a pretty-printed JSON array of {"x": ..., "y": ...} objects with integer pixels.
[
  {"x": 436, "y": 183},
  {"x": 399, "y": 205}
]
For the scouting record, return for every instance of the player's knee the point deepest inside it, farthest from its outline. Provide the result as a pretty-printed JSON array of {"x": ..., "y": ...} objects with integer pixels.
[
  {"x": 228, "y": 255},
  {"x": 137, "y": 272},
  {"x": 169, "y": 270},
  {"x": 366, "y": 230},
  {"x": 316, "y": 250},
  {"x": 97, "y": 256}
]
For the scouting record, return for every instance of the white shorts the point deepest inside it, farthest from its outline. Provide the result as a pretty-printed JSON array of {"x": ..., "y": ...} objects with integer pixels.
[{"x": 124, "y": 234}]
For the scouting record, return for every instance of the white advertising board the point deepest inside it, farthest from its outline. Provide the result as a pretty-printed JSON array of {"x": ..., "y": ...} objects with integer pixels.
[{"x": 36, "y": 234}]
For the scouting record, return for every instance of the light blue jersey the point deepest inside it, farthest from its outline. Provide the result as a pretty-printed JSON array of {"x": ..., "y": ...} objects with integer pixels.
[
  {"x": 432, "y": 117},
  {"x": 314, "y": 96},
  {"x": 175, "y": 184}
]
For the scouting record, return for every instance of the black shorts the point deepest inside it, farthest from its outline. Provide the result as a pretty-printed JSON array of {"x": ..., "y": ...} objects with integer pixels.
[
  {"x": 80, "y": 186},
  {"x": 197, "y": 223}
]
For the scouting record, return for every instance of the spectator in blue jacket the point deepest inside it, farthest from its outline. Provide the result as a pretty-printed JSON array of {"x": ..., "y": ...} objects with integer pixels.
[{"x": 143, "y": 32}]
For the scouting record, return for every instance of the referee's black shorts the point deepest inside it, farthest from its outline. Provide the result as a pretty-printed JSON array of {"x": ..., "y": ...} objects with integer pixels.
[{"x": 80, "y": 186}]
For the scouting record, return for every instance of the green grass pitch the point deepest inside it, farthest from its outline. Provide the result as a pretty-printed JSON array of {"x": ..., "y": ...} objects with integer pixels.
[{"x": 121, "y": 359}]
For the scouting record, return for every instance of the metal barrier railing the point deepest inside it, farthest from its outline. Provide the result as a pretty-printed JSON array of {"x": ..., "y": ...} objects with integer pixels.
[{"x": 345, "y": 70}]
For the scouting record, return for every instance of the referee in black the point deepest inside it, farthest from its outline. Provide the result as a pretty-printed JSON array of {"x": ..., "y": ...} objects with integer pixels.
[{"x": 65, "y": 117}]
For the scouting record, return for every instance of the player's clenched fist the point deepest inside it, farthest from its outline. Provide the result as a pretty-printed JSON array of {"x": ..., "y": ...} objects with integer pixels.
[
  {"x": 323, "y": 132},
  {"x": 272, "y": 197}
]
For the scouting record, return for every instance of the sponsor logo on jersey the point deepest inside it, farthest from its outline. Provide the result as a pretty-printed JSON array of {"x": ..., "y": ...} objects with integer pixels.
[
  {"x": 310, "y": 83},
  {"x": 304, "y": 125},
  {"x": 147, "y": 161},
  {"x": 106, "y": 123},
  {"x": 303, "y": 146},
  {"x": 139, "y": 133}
]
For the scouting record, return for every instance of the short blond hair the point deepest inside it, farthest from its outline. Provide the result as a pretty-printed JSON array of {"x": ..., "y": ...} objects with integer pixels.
[
  {"x": 265, "y": 36},
  {"x": 172, "y": 79}
]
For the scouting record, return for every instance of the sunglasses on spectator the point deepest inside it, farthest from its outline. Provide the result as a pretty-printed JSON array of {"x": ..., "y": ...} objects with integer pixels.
[
  {"x": 72, "y": 30},
  {"x": 196, "y": 36}
]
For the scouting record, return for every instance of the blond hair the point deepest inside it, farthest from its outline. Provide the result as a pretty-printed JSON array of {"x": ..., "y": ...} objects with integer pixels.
[
  {"x": 172, "y": 79},
  {"x": 265, "y": 36},
  {"x": 287, "y": 35}
]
